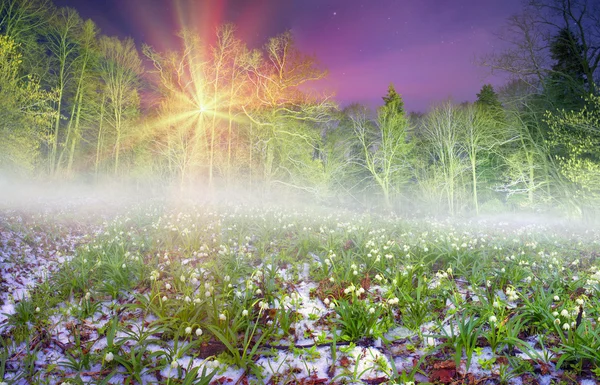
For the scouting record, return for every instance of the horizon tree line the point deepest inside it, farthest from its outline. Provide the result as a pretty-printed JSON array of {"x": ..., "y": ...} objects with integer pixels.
[{"x": 80, "y": 105}]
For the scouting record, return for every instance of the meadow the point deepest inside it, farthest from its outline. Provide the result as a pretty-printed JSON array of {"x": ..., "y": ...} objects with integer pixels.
[{"x": 198, "y": 293}]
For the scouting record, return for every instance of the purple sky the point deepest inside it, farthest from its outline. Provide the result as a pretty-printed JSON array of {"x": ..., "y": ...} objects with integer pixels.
[{"x": 427, "y": 48}]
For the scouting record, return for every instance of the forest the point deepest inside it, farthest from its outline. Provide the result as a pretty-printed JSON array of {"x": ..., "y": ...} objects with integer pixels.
[{"x": 76, "y": 105}]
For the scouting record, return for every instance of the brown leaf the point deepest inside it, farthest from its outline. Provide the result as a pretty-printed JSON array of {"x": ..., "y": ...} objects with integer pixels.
[
  {"x": 345, "y": 362},
  {"x": 444, "y": 376}
]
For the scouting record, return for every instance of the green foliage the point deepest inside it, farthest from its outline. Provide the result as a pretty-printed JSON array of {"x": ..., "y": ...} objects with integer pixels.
[
  {"x": 26, "y": 111},
  {"x": 576, "y": 135}
]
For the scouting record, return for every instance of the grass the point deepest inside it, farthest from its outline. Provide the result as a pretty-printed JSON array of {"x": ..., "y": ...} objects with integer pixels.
[{"x": 205, "y": 293}]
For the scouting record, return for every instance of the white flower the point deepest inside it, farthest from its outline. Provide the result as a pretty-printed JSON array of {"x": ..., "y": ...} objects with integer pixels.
[
  {"x": 182, "y": 278},
  {"x": 188, "y": 330},
  {"x": 37, "y": 309},
  {"x": 168, "y": 286},
  {"x": 222, "y": 317},
  {"x": 566, "y": 326},
  {"x": 174, "y": 364},
  {"x": 124, "y": 266},
  {"x": 109, "y": 357},
  {"x": 564, "y": 313},
  {"x": 579, "y": 301},
  {"x": 556, "y": 298},
  {"x": 555, "y": 314},
  {"x": 493, "y": 319},
  {"x": 244, "y": 313},
  {"x": 164, "y": 298},
  {"x": 207, "y": 294},
  {"x": 198, "y": 332},
  {"x": 372, "y": 310},
  {"x": 87, "y": 295},
  {"x": 326, "y": 301}
]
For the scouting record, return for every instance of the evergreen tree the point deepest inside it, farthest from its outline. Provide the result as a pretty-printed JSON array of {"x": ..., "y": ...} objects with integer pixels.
[
  {"x": 393, "y": 101},
  {"x": 567, "y": 81},
  {"x": 488, "y": 97}
]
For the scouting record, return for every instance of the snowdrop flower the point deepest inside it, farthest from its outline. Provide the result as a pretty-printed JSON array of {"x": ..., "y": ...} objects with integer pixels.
[
  {"x": 168, "y": 286},
  {"x": 564, "y": 313},
  {"x": 124, "y": 266},
  {"x": 37, "y": 309},
  {"x": 244, "y": 313},
  {"x": 331, "y": 279},
  {"x": 566, "y": 326},
  {"x": 188, "y": 330},
  {"x": 174, "y": 364},
  {"x": 493, "y": 319},
  {"x": 332, "y": 305},
  {"x": 326, "y": 301},
  {"x": 360, "y": 291},
  {"x": 372, "y": 310},
  {"x": 222, "y": 317},
  {"x": 198, "y": 332},
  {"x": 109, "y": 357},
  {"x": 556, "y": 298},
  {"x": 207, "y": 294},
  {"x": 182, "y": 278},
  {"x": 164, "y": 298},
  {"x": 579, "y": 301},
  {"x": 555, "y": 314}
]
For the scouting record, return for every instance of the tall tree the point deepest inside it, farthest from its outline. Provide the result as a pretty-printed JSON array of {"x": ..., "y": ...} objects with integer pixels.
[
  {"x": 385, "y": 155},
  {"x": 120, "y": 70},
  {"x": 443, "y": 136},
  {"x": 84, "y": 81},
  {"x": 184, "y": 103},
  {"x": 26, "y": 111},
  {"x": 276, "y": 103},
  {"x": 483, "y": 132},
  {"x": 581, "y": 19},
  {"x": 567, "y": 81},
  {"x": 64, "y": 51}
]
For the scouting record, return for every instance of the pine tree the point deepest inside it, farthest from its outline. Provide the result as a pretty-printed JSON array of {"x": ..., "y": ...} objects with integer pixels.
[
  {"x": 393, "y": 100},
  {"x": 488, "y": 97},
  {"x": 567, "y": 81}
]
